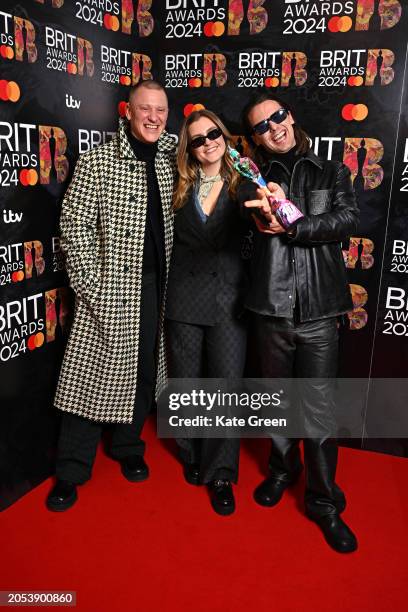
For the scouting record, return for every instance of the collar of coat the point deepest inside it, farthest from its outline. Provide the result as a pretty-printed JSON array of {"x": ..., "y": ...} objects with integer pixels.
[
  {"x": 308, "y": 156},
  {"x": 166, "y": 143}
]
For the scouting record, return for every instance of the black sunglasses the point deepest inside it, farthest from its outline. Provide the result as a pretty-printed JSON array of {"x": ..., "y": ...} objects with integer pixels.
[
  {"x": 198, "y": 142},
  {"x": 277, "y": 117}
]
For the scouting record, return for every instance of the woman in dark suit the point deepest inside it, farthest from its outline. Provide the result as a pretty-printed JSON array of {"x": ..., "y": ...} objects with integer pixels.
[{"x": 206, "y": 335}]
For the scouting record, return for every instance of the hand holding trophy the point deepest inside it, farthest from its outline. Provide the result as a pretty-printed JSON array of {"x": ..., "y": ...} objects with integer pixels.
[{"x": 285, "y": 211}]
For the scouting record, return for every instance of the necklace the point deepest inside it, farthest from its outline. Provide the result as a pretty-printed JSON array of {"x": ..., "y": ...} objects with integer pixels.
[{"x": 206, "y": 183}]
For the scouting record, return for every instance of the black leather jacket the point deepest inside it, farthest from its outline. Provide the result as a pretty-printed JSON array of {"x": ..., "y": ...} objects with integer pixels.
[{"x": 309, "y": 266}]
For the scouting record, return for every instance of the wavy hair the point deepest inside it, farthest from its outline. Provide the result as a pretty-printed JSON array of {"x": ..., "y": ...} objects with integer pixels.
[{"x": 188, "y": 166}]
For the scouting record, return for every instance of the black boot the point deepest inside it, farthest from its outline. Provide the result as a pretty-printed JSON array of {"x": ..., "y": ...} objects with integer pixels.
[
  {"x": 192, "y": 473},
  {"x": 270, "y": 491},
  {"x": 222, "y": 497},
  {"x": 62, "y": 496},
  {"x": 134, "y": 468},
  {"x": 338, "y": 535}
]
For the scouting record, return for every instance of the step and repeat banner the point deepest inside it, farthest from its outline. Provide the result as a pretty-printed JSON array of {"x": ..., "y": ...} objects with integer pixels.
[{"x": 65, "y": 71}]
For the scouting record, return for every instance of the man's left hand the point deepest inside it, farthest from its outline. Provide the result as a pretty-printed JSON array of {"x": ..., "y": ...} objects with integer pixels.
[{"x": 274, "y": 227}]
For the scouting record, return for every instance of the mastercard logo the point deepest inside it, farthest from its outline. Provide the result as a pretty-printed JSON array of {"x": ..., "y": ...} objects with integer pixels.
[
  {"x": 122, "y": 106},
  {"x": 214, "y": 28},
  {"x": 6, "y": 52},
  {"x": 9, "y": 91},
  {"x": 28, "y": 177},
  {"x": 271, "y": 82},
  {"x": 354, "y": 112},
  {"x": 16, "y": 277},
  {"x": 125, "y": 80},
  {"x": 194, "y": 82},
  {"x": 355, "y": 81},
  {"x": 35, "y": 341},
  {"x": 72, "y": 68},
  {"x": 190, "y": 108},
  {"x": 111, "y": 22},
  {"x": 339, "y": 24}
]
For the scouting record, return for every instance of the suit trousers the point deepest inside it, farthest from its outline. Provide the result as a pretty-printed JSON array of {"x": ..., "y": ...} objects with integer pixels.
[
  {"x": 287, "y": 349},
  {"x": 79, "y": 437},
  {"x": 217, "y": 351}
]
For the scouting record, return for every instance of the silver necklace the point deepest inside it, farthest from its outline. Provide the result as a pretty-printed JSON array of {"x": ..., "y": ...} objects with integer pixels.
[{"x": 206, "y": 183}]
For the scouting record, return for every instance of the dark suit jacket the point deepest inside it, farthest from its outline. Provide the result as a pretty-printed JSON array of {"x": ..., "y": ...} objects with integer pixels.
[{"x": 208, "y": 277}]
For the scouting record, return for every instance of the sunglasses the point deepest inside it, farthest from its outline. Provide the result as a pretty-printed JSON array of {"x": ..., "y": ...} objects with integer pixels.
[
  {"x": 198, "y": 142},
  {"x": 277, "y": 117}
]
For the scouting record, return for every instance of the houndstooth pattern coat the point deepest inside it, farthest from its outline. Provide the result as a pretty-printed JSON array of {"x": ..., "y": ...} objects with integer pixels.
[{"x": 102, "y": 230}]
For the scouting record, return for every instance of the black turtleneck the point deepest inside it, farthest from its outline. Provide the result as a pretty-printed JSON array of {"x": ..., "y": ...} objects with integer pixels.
[
  {"x": 288, "y": 159},
  {"x": 153, "y": 253},
  {"x": 144, "y": 151}
]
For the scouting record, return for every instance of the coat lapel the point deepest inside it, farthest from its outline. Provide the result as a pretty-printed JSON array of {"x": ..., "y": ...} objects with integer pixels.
[{"x": 206, "y": 231}]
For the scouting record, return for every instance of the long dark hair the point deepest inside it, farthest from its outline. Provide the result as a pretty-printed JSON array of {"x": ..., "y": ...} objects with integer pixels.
[{"x": 301, "y": 138}]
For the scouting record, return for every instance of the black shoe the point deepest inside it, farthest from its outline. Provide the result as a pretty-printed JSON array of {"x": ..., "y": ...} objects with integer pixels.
[
  {"x": 192, "y": 473},
  {"x": 270, "y": 491},
  {"x": 134, "y": 468},
  {"x": 222, "y": 497},
  {"x": 62, "y": 496},
  {"x": 338, "y": 535}
]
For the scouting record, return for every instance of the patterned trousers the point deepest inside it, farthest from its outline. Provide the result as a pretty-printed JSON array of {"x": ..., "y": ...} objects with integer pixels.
[{"x": 198, "y": 351}]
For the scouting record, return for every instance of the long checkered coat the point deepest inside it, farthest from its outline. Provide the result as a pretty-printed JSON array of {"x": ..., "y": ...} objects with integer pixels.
[{"x": 102, "y": 226}]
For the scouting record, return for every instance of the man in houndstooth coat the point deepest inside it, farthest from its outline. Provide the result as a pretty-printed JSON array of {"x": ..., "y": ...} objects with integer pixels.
[{"x": 117, "y": 231}]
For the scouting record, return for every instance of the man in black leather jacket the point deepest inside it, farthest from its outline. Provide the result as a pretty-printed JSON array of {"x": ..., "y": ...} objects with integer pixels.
[{"x": 298, "y": 289}]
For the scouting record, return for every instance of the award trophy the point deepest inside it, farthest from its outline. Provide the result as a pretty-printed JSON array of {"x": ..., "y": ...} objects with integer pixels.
[{"x": 284, "y": 210}]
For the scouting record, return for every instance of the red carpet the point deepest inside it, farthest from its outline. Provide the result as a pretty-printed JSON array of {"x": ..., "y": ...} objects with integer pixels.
[{"x": 158, "y": 545}]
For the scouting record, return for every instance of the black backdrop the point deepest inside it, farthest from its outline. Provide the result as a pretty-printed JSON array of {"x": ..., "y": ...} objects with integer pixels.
[{"x": 66, "y": 67}]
